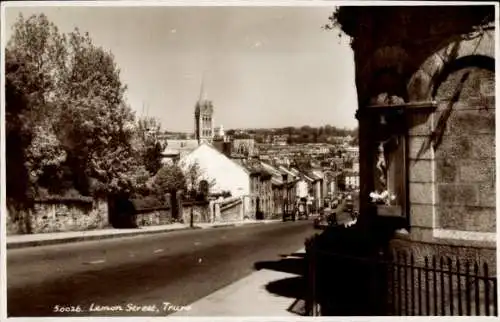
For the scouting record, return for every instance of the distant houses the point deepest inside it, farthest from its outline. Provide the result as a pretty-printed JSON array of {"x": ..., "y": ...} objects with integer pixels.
[
  {"x": 267, "y": 191},
  {"x": 235, "y": 164}
]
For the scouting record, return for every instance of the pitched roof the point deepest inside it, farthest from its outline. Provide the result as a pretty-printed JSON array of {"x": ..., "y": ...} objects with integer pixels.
[
  {"x": 238, "y": 162},
  {"x": 318, "y": 173},
  {"x": 314, "y": 176},
  {"x": 271, "y": 169},
  {"x": 308, "y": 178},
  {"x": 169, "y": 151},
  {"x": 276, "y": 181},
  {"x": 180, "y": 146},
  {"x": 286, "y": 171}
]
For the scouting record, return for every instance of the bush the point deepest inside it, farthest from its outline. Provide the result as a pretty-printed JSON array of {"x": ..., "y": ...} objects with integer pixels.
[
  {"x": 69, "y": 196},
  {"x": 149, "y": 203}
]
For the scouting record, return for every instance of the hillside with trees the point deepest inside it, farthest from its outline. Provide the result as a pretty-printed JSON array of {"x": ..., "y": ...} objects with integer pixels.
[{"x": 304, "y": 134}]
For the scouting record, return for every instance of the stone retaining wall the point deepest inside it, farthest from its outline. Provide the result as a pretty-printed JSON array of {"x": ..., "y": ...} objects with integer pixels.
[{"x": 60, "y": 216}]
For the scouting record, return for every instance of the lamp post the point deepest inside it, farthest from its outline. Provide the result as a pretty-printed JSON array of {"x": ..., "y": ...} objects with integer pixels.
[
  {"x": 191, "y": 222},
  {"x": 191, "y": 217}
]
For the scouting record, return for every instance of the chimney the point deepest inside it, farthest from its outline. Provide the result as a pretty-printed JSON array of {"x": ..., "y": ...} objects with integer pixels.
[{"x": 225, "y": 148}]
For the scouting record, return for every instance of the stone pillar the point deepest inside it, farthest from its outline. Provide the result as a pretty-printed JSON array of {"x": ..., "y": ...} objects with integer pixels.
[
  {"x": 217, "y": 211},
  {"x": 211, "y": 213},
  {"x": 242, "y": 209}
]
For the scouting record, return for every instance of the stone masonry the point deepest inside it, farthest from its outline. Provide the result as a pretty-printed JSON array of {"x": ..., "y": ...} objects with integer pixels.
[{"x": 443, "y": 73}]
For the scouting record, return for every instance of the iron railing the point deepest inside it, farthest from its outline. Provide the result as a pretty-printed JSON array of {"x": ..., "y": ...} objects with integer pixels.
[{"x": 399, "y": 284}]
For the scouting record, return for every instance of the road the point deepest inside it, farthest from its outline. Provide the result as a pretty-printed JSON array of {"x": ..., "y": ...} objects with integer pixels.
[{"x": 176, "y": 267}]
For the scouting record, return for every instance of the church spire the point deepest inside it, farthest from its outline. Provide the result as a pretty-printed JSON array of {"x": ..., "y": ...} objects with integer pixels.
[{"x": 203, "y": 94}]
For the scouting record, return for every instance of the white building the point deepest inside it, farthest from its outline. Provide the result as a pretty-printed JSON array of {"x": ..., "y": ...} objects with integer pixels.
[
  {"x": 352, "y": 180},
  {"x": 352, "y": 151},
  {"x": 215, "y": 166},
  {"x": 219, "y": 132},
  {"x": 302, "y": 189},
  {"x": 355, "y": 166}
]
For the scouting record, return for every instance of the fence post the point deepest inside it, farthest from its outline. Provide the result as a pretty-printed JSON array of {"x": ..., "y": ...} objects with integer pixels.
[
  {"x": 400, "y": 288},
  {"x": 443, "y": 306},
  {"x": 419, "y": 290},
  {"x": 486, "y": 290},
  {"x": 405, "y": 270},
  {"x": 393, "y": 269},
  {"x": 434, "y": 279},
  {"x": 467, "y": 289},
  {"x": 427, "y": 287},
  {"x": 450, "y": 286},
  {"x": 459, "y": 284},
  {"x": 412, "y": 281},
  {"x": 495, "y": 297},
  {"x": 476, "y": 286}
]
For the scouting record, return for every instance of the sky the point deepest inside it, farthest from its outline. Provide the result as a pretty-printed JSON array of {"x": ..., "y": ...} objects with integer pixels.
[{"x": 262, "y": 67}]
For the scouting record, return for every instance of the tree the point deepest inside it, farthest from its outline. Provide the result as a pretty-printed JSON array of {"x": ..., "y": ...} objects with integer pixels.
[
  {"x": 170, "y": 180},
  {"x": 66, "y": 116},
  {"x": 147, "y": 142},
  {"x": 34, "y": 59},
  {"x": 96, "y": 126},
  {"x": 18, "y": 134},
  {"x": 195, "y": 176}
]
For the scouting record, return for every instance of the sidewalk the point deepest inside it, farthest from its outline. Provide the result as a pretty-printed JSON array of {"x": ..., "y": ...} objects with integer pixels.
[
  {"x": 30, "y": 240},
  {"x": 248, "y": 297}
]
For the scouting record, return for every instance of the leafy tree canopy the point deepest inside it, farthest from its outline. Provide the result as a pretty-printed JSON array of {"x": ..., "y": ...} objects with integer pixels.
[{"x": 68, "y": 125}]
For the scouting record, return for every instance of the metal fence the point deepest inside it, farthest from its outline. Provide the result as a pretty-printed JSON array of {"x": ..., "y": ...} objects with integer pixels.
[{"x": 400, "y": 284}]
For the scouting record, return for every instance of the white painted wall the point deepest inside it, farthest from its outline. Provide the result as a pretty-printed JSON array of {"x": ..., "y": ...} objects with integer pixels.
[
  {"x": 352, "y": 181},
  {"x": 228, "y": 175},
  {"x": 302, "y": 189}
]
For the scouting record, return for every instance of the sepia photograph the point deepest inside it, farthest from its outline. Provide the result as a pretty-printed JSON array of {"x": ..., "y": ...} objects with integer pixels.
[{"x": 234, "y": 159}]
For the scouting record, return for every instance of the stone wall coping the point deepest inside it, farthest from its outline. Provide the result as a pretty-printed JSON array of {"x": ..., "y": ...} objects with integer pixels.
[
  {"x": 451, "y": 242},
  {"x": 63, "y": 200}
]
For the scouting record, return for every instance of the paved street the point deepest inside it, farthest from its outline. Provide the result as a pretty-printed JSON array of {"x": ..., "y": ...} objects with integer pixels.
[{"x": 175, "y": 267}]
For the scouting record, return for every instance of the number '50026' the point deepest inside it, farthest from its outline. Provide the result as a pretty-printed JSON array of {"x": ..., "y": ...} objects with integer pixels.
[{"x": 69, "y": 308}]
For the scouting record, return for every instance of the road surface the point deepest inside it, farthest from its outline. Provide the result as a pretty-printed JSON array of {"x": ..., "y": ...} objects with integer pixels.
[{"x": 137, "y": 273}]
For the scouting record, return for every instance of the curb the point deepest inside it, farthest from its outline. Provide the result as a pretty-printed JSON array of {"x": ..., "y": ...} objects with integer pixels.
[
  {"x": 67, "y": 240},
  {"x": 58, "y": 241}
]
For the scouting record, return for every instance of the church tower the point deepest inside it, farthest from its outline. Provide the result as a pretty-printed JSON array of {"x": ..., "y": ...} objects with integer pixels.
[{"x": 203, "y": 117}]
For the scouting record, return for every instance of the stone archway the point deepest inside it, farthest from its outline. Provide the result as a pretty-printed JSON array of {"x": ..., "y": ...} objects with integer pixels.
[{"x": 423, "y": 83}]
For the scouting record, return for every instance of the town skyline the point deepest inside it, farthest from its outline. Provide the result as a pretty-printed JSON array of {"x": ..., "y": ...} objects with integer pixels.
[{"x": 256, "y": 67}]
